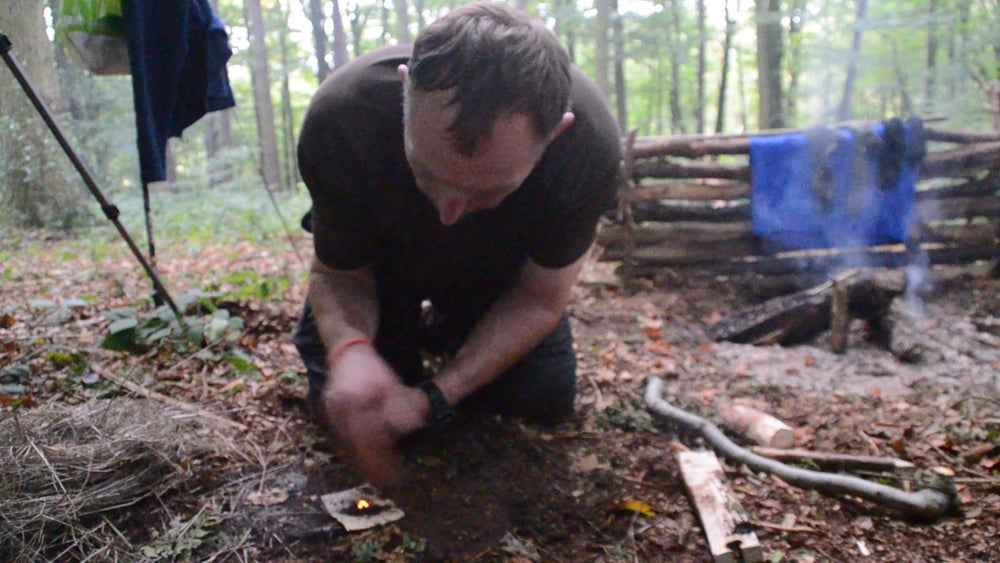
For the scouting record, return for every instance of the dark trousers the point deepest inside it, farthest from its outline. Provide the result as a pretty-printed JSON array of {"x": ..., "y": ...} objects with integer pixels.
[{"x": 541, "y": 387}]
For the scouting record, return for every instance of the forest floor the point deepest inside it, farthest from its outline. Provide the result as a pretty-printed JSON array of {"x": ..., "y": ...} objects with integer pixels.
[{"x": 604, "y": 486}]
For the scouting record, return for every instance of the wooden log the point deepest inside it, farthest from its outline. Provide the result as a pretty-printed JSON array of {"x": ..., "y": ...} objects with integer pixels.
[
  {"x": 983, "y": 187},
  {"x": 683, "y": 252},
  {"x": 666, "y": 169},
  {"x": 814, "y": 261},
  {"x": 962, "y": 137},
  {"x": 801, "y": 316},
  {"x": 761, "y": 427},
  {"x": 958, "y": 208},
  {"x": 673, "y": 233},
  {"x": 688, "y": 191},
  {"x": 657, "y": 211},
  {"x": 833, "y": 461},
  {"x": 937, "y": 498},
  {"x": 658, "y": 237},
  {"x": 709, "y": 145},
  {"x": 730, "y": 538},
  {"x": 692, "y": 147},
  {"x": 840, "y": 319},
  {"x": 951, "y": 162}
]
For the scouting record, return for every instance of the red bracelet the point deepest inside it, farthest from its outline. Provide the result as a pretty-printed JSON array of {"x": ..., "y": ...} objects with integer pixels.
[{"x": 342, "y": 347}]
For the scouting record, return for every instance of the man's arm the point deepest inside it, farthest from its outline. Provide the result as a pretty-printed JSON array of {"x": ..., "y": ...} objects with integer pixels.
[
  {"x": 364, "y": 401},
  {"x": 522, "y": 316},
  {"x": 344, "y": 303}
]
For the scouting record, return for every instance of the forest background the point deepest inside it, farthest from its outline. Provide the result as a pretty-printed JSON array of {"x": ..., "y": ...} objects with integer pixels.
[{"x": 669, "y": 67}]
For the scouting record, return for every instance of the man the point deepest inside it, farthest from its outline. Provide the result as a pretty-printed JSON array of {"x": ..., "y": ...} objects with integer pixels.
[{"x": 456, "y": 187}]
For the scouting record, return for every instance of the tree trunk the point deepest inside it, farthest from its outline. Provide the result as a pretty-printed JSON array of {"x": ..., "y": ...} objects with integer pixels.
[
  {"x": 929, "y": 90},
  {"x": 402, "y": 21},
  {"x": 795, "y": 24},
  {"x": 769, "y": 54},
  {"x": 318, "y": 21},
  {"x": 844, "y": 113},
  {"x": 218, "y": 141},
  {"x": 37, "y": 186},
  {"x": 676, "y": 116},
  {"x": 270, "y": 168},
  {"x": 618, "y": 34},
  {"x": 699, "y": 104},
  {"x": 601, "y": 51},
  {"x": 340, "y": 56},
  {"x": 727, "y": 44},
  {"x": 291, "y": 171},
  {"x": 358, "y": 19}
]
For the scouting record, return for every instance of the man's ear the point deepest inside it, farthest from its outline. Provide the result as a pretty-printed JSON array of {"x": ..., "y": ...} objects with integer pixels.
[
  {"x": 567, "y": 120},
  {"x": 404, "y": 73}
]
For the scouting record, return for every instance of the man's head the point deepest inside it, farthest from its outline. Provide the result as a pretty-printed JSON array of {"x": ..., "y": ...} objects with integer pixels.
[{"x": 486, "y": 90}]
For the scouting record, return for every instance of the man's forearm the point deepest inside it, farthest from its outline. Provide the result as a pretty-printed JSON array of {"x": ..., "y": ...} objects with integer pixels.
[
  {"x": 513, "y": 326},
  {"x": 344, "y": 303}
]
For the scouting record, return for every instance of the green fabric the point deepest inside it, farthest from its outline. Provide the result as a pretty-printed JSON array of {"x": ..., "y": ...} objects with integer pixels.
[{"x": 93, "y": 17}]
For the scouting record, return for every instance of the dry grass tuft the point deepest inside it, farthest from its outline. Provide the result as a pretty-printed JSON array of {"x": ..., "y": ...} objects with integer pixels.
[{"x": 64, "y": 470}]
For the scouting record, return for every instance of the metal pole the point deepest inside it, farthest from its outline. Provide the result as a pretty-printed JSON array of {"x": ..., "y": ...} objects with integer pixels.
[{"x": 110, "y": 210}]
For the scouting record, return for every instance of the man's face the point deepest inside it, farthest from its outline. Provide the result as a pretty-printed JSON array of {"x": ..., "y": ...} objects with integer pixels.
[{"x": 458, "y": 184}]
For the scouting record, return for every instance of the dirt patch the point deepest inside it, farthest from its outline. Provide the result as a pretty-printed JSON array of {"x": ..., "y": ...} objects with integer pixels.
[{"x": 492, "y": 489}]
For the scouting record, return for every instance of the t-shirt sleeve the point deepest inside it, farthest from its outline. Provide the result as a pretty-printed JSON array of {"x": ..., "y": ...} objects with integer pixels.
[
  {"x": 583, "y": 187},
  {"x": 342, "y": 225}
]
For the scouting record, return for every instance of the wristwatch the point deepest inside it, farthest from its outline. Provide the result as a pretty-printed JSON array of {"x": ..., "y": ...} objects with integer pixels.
[{"x": 440, "y": 412}]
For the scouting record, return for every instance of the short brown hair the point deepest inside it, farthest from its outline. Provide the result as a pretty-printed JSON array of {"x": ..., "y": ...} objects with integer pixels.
[{"x": 498, "y": 60}]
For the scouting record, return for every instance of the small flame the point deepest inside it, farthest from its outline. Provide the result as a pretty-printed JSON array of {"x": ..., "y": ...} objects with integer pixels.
[{"x": 363, "y": 504}]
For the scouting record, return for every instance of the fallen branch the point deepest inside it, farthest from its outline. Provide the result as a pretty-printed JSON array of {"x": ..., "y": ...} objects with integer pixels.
[
  {"x": 929, "y": 503},
  {"x": 147, "y": 394},
  {"x": 834, "y": 461}
]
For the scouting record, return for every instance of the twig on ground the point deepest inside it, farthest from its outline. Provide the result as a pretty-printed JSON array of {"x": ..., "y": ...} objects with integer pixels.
[
  {"x": 928, "y": 503},
  {"x": 148, "y": 394}
]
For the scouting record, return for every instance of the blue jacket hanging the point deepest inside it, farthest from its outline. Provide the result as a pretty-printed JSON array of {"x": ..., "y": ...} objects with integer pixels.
[{"x": 178, "y": 50}]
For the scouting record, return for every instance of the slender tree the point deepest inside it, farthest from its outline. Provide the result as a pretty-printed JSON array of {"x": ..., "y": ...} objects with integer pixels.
[
  {"x": 340, "y": 56},
  {"x": 317, "y": 19},
  {"x": 289, "y": 169},
  {"x": 699, "y": 111},
  {"x": 218, "y": 141},
  {"x": 932, "y": 47},
  {"x": 796, "y": 21},
  {"x": 602, "y": 24},
  {"x": 37, "y": 186},
  {"x": 769, "y": 55},
  {"x": 618, "y": 36},
  {"x": 402, "y": 21},
  {"x": 260, "y": 75},
  {"x": 727, "y": 44},
  {"x": 845, "y": 110}
]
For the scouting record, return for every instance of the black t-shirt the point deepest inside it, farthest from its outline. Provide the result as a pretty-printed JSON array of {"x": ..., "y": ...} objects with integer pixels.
[{"x": 367, "y": 210}]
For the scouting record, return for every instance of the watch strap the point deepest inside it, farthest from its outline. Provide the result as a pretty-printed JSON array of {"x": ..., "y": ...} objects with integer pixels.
[{"x": 440, "y": 412}]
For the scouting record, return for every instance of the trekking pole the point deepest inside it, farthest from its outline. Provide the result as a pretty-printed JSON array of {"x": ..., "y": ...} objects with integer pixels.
[{"x": 110, "y": 210}]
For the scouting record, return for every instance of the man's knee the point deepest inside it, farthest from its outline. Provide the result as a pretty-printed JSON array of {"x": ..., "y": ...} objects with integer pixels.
[{"x": 542, "y": 386}]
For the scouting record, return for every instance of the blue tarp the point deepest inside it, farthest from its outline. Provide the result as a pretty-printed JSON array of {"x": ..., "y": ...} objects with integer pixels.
[
  {"x": 178, "y": 51},
  {"x": 839, "y": 198}
]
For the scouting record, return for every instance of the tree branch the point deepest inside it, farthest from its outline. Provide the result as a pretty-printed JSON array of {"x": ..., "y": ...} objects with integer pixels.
[{"x": 929, "y": 503}]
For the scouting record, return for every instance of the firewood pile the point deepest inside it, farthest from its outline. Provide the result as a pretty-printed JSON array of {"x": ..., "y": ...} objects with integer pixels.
[{"x": 686, "y": 203}]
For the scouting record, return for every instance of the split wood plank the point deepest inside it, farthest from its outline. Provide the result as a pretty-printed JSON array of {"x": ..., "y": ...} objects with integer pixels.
[{"x": 730, "y": 537}]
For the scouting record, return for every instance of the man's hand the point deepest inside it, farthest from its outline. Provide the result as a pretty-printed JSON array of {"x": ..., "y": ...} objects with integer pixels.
[{"x": 370, "y": 409}]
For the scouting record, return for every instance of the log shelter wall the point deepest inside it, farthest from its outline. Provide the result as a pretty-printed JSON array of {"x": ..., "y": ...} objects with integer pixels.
[{"x": 685, "y": 204}]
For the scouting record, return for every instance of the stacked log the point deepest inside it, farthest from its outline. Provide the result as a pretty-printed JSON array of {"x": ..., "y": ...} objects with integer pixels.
[{"x": 686, "y": 204}]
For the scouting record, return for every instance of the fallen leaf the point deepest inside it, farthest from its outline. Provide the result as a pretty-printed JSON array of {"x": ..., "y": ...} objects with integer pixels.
[
  {"x": 587, "y": 464},
  {"x": 267, "y": 497},
  {"x": 653, "y": 333},
  {"x": 636, "y": 506},
  {"x": 660, "y": 347}
]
